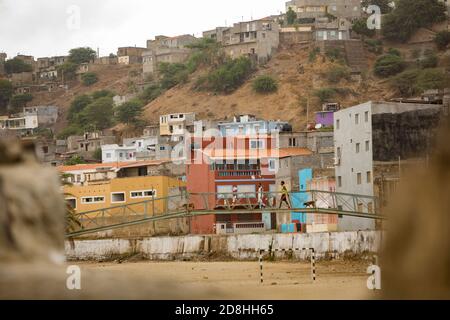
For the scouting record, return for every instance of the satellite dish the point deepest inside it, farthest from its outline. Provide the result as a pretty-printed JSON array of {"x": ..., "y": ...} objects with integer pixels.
[{"x": 318, "y": 126}]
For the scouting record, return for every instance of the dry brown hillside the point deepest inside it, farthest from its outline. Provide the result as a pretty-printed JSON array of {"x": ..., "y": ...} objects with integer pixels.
[{"x": 289, "y": 103}]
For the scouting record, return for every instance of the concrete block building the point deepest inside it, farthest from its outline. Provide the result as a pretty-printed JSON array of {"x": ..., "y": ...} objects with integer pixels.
[{"x": 372, "y": 141}]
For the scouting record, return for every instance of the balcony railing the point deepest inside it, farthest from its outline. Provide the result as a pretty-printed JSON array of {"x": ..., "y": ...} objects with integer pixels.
[{"x": 238, "y": 173}]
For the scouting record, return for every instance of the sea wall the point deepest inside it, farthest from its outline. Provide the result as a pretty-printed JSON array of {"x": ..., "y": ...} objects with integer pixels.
[{"x": 241, "y": 247}]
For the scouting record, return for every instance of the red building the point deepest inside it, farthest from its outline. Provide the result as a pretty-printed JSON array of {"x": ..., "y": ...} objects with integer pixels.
[{"x": 234, "y": 166}]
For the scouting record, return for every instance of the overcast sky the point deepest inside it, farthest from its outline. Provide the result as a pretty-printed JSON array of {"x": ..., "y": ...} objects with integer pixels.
[{"x": 50, "y": 27}]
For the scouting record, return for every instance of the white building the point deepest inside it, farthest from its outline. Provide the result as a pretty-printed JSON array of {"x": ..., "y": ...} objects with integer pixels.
[
  {"x": 375, "y": 134},
  {"x": 115, "y": 153},
  {"x": 26, "y": 123}
]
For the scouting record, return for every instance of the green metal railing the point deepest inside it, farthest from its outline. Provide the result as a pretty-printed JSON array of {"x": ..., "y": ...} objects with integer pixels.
[{"x": 185, "y": 205}]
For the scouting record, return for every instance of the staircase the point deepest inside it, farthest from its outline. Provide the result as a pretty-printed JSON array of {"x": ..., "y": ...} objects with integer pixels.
[{"x": 355, "y": 54}]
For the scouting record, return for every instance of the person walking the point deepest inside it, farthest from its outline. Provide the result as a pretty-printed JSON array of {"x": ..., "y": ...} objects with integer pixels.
[
  {"x": 284, "y": 195},
  {"x": 261, "y": 196}
]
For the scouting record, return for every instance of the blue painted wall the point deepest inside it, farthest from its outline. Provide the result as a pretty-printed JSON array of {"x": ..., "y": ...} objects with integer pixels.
[{"x": 298, "y": 199}]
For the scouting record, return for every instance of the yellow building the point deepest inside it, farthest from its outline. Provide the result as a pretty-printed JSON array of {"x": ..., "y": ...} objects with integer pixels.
[{"x": 125, "y": 191}]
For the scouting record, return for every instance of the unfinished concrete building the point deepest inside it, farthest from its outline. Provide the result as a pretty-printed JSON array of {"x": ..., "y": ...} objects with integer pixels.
[
  {"x": 130, "y": 55},
  {"x": 311, "y": 9},
  {"x": 257, "y": 39},
  {"x": 166, "y": 49}
]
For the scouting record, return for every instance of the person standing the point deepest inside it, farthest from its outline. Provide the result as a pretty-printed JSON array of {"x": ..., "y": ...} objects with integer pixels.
[{"x": 284, "y": 195}]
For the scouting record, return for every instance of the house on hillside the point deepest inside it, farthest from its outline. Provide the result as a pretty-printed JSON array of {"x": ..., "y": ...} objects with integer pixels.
[
  {"x": 257, "y": 39},
  {"x": 130, "y": 55},
  {"x": 249, "y": 124},
  {"x": 166, "y": 49},
  {"x": 312, "y": 9}
]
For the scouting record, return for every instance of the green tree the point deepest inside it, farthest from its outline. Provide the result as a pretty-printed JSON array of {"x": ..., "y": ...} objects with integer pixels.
[
  {"x": 71, "y": 130},
  {"x": 98, "y": 115},
  {"x": 130, "y": 112},
  {"x": 78, "y": 105},
  {"x": 291, "y": 16},
  {"x": 74, "y": 161},
  {"x": 430, "y": 60},
  {"x": 17, "y": 65},
  {"x": 102, "y": 93},
  {"x": 67, "y": 70},
  {"x": 265, "y": 84},
  {"x": 81, "y": 55},
  {"x": 409, "y": 16},
  {"x": 151, "y": 93},
  {"x": 6, "y": 92},
  {"x": 89, "y": 79},
  {"x": 442, "y": 39},
  {"x": 432, "y": 79},
  {"x": 20, "y": 101},
  {"x": 172, "y": 74},
  {"x": 97, "y": 154},
  {"x": 405, "y": 82},
  {"x": 383, "y": 4},
  {"x": 360, "y": 27},
  {"x": 389, "y": 65},
  {"x": 228, "y": 77}
]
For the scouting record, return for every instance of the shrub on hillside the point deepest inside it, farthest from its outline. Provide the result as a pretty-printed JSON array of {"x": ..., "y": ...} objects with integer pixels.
[
  {"x": 374, "y": 46},
  {"x": 228, "y": 77},
  {"x": 431, "y": 60},
  {"x": 334, "y": 54},
  {"x": 265, "y": 84},
  {"x": 389, "y": 65},
  {"x": 337, "y": 73},
  {"x": 442, "y": 39},
  {"x": 150, "y": 93},
  {"x": 325, "y": 94},
  {"x": 89, "y": 79},
  {"x": 410, "y": 15},
  {"x": 172, "y": 74},
  {"x": 360, "y": 27},
  {"x": 415, "y": 81}
]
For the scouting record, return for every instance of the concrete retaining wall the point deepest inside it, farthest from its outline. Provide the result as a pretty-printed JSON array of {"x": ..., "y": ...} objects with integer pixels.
[{"x": 235, "y": 246}]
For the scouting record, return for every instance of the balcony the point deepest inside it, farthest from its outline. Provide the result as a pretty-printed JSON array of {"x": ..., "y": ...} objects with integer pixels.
[{"x": 238, "y": 173}]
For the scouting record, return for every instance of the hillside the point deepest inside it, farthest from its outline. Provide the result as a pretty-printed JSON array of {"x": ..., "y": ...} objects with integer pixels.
[
  {"x": 114, "y": 77},
  {"x": 289, "y": 103}
]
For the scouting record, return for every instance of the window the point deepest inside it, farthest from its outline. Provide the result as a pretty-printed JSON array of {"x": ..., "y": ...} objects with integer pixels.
[
  {"x": 338, "y": 124},
  {"x": 224, "y": 191},
  {"x": 272, "y": 164},
  {"x": 367, "y": 146},
  {"x": 72, "y": 202},
  {"x": 92, "y": 200},
  {"x": 256, "y": 144},
  {"x": 359, "y": 178},
  {"x": 357, "y": 118},
  {"x": 358, "y": 147},
  {"x": 247, "y": 191},
  {"x": 339, "y": 181},
  {"x": 339, "y": 152},
  {"x": 366, "y": 115},
  {"x": 108, "y": 155},
  {"x": 369, "y": 177},
  {"x": 117, "y": 197},
  {"x": 143, "y": 194}
]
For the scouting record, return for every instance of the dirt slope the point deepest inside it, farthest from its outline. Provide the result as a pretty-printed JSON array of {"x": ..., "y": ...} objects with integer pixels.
[{"x": 289, "y": 103}]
